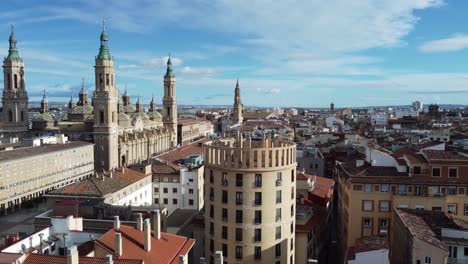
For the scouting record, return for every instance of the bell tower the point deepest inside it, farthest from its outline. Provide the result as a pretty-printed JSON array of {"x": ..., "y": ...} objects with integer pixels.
[
  {"x": 238, "y": 106},
  {"x": 169, "y": 110},
  {"x": 105, "y": 102},
  {"x": 15, "y": 97}
]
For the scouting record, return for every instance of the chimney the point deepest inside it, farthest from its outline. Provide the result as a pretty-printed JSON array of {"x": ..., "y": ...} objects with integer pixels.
[
  {"x": 118, "y": 244},
  {"x": 140, "y": 222},
  {"x": 183, "y": 259},
  {"x": 157, "y": 224},
  {"x": 109, "y": 259},
  {"x": 116, "y": 223},
  {"x": 218, "y": 259},
  {"x": 72, "y": 255},
  {"x": 147, "y": 234}
]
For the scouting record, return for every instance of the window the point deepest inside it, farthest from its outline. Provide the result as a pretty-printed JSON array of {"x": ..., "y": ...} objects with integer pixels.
[
  {"x": 258, "y": 198},
  {"x": 258, "y": 235},
  {"x": 384, "y": 187},
  {"x": 427, "y": 260},
  {"x": 165, "y": 190},
  {"x": 211, "y": 176},
  {"x": 258, "y": 253},
  {"x": 292, "y": 209},
  {"x": 156, "y": 200},
  {"x": 224, "y": 214},
  {"x": 238, "y": 197},
  {"x": 466, "y": 209},
  {"x": 402, "y": 188},
  {"x": 292, "y": 227},
  {"x": 211, "y": 211},
  {"x": 224, "y": 232},
  {"x": 453, "y": 172},
  {"x": 16, "y": 80},
  {"x": 258, "y": 217},
  {"x": 435, "y": 172},
  {"x": 452, "y": 190},
  {"x": 211, "y": 194},
  {"x": 225, "y": 250},
  {"x": 367, "y": 222},
  {"x": 224, "y": 179},
  {"x": 383, "y": 226},
  {"x": 278, "y": 196},
  {"x": 224, "y": 197},
  {"x": 107, "y": 79},
  {"x": 22, "y": 119},
  {"x": 368, "y": 187},
  {"x": 211, "y": 245},
  {"x": 453, "y": 252},
  {"x": 239, "y": 180},
  {"x": 166, "y": 179},
  {"x": 165, "y": 201},
  {"x": 436, "y": 208},
  {"x": 190, "y": 191},
  {"x": 278, "y": 232},
  {"x": 357, "y": 187},
  {"x": 278, "y": 214},
  {"x": 238, "y": 234},
  {"x": 292, "y": 192},
  {"x": 239, "y": 216},
  {"x": 293, "y": 175},
  {"x": 174, "y": 190},
  {"x": 174, "y": 201},
  {"x": 10, "y": 116},
  {"x": 258, "y": 180},
  {"x": 384, "y": 206},
  {"x": 238, "y": 252},
  {"x": 278, "y": 250},
  {"x": 367, "y": 206},
  {"x": 211, "y": 228},
  {"x": 101, "y": 114},
  {"x": 156, "y": 189},
  {"x": 465, "y": 251}
]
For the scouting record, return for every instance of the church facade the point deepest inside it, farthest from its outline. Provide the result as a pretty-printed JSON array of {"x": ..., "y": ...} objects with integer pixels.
[{"x": 122, "y": 133}]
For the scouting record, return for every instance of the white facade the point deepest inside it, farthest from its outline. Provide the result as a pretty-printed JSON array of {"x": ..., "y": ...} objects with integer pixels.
[
  {"x": 293, "y": 111},
  {"x": 417, "y": 106},
  {"x": 380, "y": 119},
  {"x": 183, "y": 192},
  {"x": 69, "y": 228},
  {"x": 457, "y": 241},
  {"x": 139, "y": 197},
  {"x": 371, "y": 257}
]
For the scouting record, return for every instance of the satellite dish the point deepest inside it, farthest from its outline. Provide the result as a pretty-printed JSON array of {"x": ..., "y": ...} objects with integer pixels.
[{"x": 23, "y": 248}]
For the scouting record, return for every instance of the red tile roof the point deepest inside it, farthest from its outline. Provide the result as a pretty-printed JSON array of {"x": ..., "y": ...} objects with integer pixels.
[
  {"x": 183, "y": 152},
  {"x": 167, "y": 249},
  {"x": 366, "y": 244},
  {"x": 50, "y": 259}
]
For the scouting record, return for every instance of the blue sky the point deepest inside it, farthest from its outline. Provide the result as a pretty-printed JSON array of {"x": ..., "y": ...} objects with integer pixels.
[{"x": 300, "y": 53}]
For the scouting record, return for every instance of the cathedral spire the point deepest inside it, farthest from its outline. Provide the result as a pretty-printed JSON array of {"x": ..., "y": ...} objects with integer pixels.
[
  {"x": 138, "y": 105},
  {"x": 169, "y": 72},
  {"x": 152, "y": 107},
  {"x": 238, "y": 107},
  {"x": 13, "y": 50},
  {"x": 71, "y": 103},
  {"x": 44, "y": 103},
  {"x": 104, "y": 53}
]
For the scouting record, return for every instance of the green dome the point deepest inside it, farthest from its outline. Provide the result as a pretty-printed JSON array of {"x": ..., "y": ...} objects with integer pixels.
[
  {"x": 104, "y": 53},
  {"x": 12, "y": 37},
  {"x": 104, "y": 35}
]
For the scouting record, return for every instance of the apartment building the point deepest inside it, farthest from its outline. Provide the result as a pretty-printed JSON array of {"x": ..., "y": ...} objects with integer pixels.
[
  {"x": 189, "y": 130},
  {"x": 250, "y": 200},
  {"x": 48, "y": 167},
  {"x": 371, "y": 185},
  {"x": 178, "y": 178},
  {"x": 427, "y": 237}
]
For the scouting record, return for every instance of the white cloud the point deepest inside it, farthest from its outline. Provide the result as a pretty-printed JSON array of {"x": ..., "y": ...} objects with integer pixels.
[
  {"x": 199, "y": 71},
  {"x": 269, "y": 91},
  {"x": 454, "y": 43},
  {"x": 156, "y": 62}
]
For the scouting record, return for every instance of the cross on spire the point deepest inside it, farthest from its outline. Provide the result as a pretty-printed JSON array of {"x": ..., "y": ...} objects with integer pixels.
[{"x": 12, "y": 27}]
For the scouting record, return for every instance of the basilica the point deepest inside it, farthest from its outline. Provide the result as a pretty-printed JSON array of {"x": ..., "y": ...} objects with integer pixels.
[{"x": 122, "y": 133}]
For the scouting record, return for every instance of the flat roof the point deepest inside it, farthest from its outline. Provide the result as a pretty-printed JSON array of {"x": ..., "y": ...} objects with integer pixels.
[{"x": 39, "y": 150}]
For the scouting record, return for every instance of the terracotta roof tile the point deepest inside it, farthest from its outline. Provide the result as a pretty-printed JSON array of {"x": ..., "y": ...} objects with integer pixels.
[
  {"x": 183, "y": 152},
  {"x": 164, "y": 250}
]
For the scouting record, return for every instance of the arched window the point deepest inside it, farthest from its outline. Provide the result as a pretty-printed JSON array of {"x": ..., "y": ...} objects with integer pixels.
[
  {"x": 16, "y": 81},
  {"x": 102, "y": 117},
  {"x": 8, "y": 81},
  {"x": 10, "y": 116},
  {"x": 101, "y": 79}
]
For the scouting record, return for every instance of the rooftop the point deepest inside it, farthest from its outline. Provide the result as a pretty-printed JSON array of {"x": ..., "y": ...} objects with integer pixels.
[
  {"x": 45, "y": 149},
  {"x": 427, "y": 225},
  {"x": 443, "y": 155},
  {"x": 49, "y": 259},
  {"x": 177, "y": 155},
  {"x": 99, "y": 187},
  {"x": 365, "y": 244},
  {"x": 167, "y": 249}
]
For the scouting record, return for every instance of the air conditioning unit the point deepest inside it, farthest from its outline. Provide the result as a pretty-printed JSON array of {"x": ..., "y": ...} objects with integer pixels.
[{"x": 279, "y": 182}]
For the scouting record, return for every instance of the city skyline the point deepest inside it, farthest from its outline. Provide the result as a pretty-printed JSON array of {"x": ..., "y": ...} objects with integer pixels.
[{"x": 409, "y": 53}]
